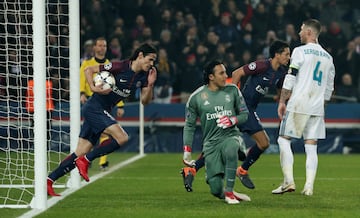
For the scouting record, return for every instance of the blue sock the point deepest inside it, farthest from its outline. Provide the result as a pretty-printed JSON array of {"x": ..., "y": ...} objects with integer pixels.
[
  {"x": 200, "y": 162},
  {"x": 106, "y": 147},
  {"x": 65, "y": 166},
  {"x": 253, "y": 154}
]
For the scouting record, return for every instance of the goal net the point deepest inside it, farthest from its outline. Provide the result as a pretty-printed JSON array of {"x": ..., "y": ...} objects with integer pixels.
[
  {"x": 17, "y": 156},
  {"x": 37, "y": 41}
]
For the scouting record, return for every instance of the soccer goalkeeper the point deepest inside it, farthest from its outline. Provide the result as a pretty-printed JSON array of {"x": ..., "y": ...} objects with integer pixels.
[
  {"x": 220, "y": 107},
  {"x": 262, "y": 76}
]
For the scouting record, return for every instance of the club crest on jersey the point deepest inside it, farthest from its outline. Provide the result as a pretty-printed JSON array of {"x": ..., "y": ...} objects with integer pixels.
[
  {"x": 108, "y": 66},
  {"x": 138, "y": 84},
  {"x": 204, "y": 96},
  {"x": 252, "y": 66}
]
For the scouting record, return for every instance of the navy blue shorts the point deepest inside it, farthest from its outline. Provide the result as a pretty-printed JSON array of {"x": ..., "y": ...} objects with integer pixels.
[
  {"x": 252, "y": 125},
  {"x": 96, "y": 120}
]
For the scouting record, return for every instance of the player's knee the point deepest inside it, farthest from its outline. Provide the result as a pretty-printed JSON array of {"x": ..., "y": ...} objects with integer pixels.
[
  {"x": 216, "y": 186},
  {"x": 263, "y": 141},
  {"x": 122, "y": 139},
  {"x": 231, "y": 152},
  {"x": 264, "y": 146},
  {"x": 282, "y": 139},
  {"x": 83, "y": 147}
]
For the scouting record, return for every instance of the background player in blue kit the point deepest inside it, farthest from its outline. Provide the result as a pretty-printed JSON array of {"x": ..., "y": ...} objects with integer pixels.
[
  {"x": 137, "y": 72},
  {"x": 263, "y": 75}
]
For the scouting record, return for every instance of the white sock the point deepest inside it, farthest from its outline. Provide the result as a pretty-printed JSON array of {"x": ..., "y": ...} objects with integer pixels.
[
  {"x": 311, "y": 165},
  {"x": 286, "y": 159}
]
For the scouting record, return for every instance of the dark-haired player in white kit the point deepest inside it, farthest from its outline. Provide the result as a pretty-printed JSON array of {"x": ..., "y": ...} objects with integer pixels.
[
  {"x": 137, "y": 72},
  {"x": 263, "y": 75}
]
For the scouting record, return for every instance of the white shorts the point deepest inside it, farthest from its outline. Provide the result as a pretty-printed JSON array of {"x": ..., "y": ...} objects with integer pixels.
[{"x": 302, "y": 125}]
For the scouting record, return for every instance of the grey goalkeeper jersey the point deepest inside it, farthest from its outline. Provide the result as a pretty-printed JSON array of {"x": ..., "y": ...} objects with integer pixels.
[{"x": 209, "y": 106}]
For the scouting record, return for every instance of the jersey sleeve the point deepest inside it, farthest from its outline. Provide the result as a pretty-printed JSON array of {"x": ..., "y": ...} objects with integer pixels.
[
  {"x": 297, "y": 58},
  {"x": 145, "y": 82},
  {"x": 330, "y": 83},
  {"x": 280, "y": 82},
  {"x": 241, "y": 109},
  {"x": 115, "y": 67},
  {"x": 256, "y": 67},
  {"x": 191, "y": 116}
]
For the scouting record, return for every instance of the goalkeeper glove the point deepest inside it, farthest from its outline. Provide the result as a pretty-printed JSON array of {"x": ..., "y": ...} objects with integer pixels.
[
  {"x": 226, "y": 122},
  {"x": 187, "y": 156}
]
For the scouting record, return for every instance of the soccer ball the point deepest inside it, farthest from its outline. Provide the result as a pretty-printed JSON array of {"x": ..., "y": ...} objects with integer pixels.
[{"x": 104, "y": 79}]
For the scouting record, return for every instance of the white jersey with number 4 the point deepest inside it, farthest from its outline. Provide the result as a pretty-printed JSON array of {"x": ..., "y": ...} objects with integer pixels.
[{"x": 314, "y": 81}]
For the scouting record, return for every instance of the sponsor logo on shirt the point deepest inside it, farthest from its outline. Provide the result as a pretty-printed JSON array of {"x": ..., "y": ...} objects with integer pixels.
[
  {"x": 123, "y": 93},
  {"x": 261, "y": 90},
  {"x": 220, "y": 111},
  {"x": 217, "y": 114}
]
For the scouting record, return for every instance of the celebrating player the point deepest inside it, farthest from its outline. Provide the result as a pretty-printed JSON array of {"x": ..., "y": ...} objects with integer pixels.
[
  {"x": 137, "y": 72},
  {"x": 263, "y": 75},
  {"x": 99, "y": 48},
  {"x": 220, "y": 107},
  {"x": 308, "y": 85}
]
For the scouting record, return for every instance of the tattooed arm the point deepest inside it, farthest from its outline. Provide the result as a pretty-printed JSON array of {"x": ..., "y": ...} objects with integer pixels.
[
  {"x": 285, "y": 95},
  {"x": 288, "y": 84}
]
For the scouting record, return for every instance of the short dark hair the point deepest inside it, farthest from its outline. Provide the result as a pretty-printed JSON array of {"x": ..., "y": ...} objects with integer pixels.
[
  {"x": 145, "y": 48},
  {"x": 209, "y": 69},
  {"x": 278, "y": 46}
]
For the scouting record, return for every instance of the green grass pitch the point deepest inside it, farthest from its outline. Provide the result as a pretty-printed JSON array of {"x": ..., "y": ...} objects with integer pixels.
[{"x": 152, "y": 187}]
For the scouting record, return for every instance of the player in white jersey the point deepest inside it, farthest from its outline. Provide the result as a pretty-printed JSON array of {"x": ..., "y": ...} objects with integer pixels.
[{"x": 308, "y": 84}]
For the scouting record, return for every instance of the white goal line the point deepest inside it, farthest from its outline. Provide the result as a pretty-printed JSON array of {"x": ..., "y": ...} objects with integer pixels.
[{"x": 54, "y": 200}]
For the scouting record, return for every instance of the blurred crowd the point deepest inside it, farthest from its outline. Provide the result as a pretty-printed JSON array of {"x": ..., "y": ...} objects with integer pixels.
[{"x": 188, "y": 33}]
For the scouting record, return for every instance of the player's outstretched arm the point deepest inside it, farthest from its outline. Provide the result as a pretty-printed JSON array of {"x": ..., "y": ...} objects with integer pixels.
[{"x": 237, "y": 74}]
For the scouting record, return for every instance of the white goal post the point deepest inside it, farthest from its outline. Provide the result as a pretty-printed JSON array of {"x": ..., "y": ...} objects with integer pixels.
[
  {"x": 36, "y": 37},
  {"x": 39, "y": 60}
]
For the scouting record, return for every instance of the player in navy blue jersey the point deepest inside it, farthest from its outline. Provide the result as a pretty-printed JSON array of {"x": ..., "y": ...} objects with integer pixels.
[
  {"x": 262, "y": 76},
  {"x": 137, "y": 72}
]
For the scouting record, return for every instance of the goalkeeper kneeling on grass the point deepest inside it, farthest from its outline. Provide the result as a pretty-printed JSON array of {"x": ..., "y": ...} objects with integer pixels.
[
  {"x": 262, "y": 75},
  {"x": 189, "y": 171},
  {"x": 220, "y": 107}
]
